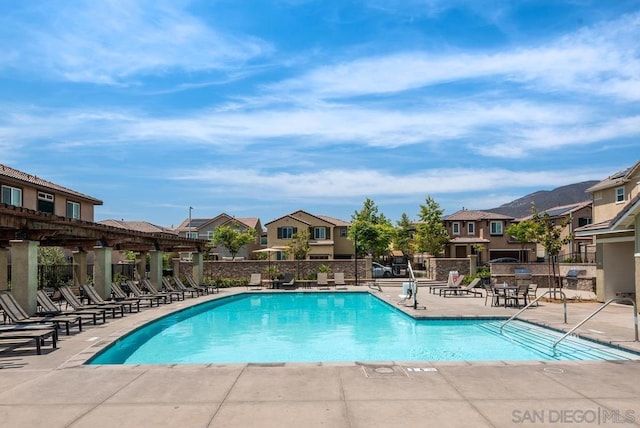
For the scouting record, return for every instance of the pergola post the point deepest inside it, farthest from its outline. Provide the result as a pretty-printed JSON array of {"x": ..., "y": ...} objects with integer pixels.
[
  {"x": 141, "y": 265},
  {"x": 197, "y": 274},
  {"x": 79, "y": 267},
  {"x": 155, "y": 268},
  {"x": 24, "y": 274},
  {"x": 102, "y": 271},
  {"x": 4, "y": 269}
]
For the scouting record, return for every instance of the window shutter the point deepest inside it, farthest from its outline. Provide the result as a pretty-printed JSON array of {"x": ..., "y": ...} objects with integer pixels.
[
  {"x": 328, "y": 232},
  {"x": 279, "y": 233},
  {"x": 295, "y": 230}
]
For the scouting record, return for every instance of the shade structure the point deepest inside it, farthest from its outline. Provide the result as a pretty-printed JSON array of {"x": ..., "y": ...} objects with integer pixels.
[{"x": 268, "y": 250}]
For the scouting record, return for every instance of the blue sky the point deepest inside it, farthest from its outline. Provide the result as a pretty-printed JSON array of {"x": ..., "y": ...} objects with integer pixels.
[{"x": 259, "y": 108}]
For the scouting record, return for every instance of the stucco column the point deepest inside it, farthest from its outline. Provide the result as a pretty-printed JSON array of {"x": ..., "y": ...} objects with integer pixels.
[
  {"x": 4, "y": 269},
  {"x": 368, "y": 267},
  {"x": 155, "y": 268},
  {"x": 637, "y": 260},
  {"x": 175, "y": 263},
  {"x": 197, "y": 267},
  {"x": 473, "y": 264},
  {"x": 141, "y": 265},
  {"x": 102, "y": 271},
  {"x": 24, "y": 274},
  {"x": 79, "y": 267}
]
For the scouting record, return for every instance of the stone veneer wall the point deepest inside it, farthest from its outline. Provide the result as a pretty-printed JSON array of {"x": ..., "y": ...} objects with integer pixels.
[
  {"x": 439, "y": 268},
  {"x": 504, "y": 272},
  {"x": 244, "y": 268}
]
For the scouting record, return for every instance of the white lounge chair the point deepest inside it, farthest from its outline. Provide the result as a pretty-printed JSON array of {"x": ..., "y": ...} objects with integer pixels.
[{"x": 255, "y": 282}]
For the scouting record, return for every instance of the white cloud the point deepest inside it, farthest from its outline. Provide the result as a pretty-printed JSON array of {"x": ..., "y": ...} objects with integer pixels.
[{"x": 112, "y": 42}]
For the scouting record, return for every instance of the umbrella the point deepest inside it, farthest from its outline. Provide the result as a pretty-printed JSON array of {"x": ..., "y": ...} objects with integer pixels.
[{"x": 268, "y": 250}]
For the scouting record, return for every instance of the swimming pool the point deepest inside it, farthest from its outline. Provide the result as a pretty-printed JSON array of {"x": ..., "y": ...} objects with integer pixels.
[{"x": 333, "y": 327}]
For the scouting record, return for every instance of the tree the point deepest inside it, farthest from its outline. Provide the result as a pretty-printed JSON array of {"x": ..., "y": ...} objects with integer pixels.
[
  {"x": 404, "y": 236},
  {"x": 523, "y": 232},
  {"x": 232, "y": 239},
  {"x": 549, "y": 235},
  {"x": 431, "y": 235},
  {"x": 371, "y": 232},
  {"x": 299, "y": 247},
  {"x": 53, "y": 264}
]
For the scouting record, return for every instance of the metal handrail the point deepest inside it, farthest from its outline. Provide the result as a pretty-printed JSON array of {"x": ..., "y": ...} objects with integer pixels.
[
  {"x": 564, "y": 304},
  {"x": 594, "y": 313}
]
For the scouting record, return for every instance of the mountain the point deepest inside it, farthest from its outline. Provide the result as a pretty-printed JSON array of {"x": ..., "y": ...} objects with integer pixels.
[{"x": 545, "y": 199}]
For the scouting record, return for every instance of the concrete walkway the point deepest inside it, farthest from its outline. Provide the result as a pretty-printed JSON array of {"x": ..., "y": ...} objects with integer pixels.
[{"x": 56, "y": 390}]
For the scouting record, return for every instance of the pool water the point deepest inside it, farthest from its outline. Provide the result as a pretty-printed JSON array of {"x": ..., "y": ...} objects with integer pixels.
[{"x": 334, "y": 327}]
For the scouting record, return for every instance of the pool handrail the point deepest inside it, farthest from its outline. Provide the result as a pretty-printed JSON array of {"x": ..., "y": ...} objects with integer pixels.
[
  {"x": 564, "y": 304},
  {"x": 594, "y": 313}
]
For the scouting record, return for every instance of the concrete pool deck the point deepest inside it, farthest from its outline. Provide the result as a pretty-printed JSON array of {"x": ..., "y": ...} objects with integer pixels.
[{"x": 56, "y": 390}]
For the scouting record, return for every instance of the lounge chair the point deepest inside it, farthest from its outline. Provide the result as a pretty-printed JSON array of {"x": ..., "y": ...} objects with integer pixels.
[
  {"x": 462, "y": 291},
  {"x": 451, "y": 284},
  {"x": 255, "y": 282},
  {"x": 48, "y": 308},
  {"x": 140, "y": 294},
  {"x": 288, "y": 282},
  {"x": 119, "y": 293},
  {"x": 207, "y": 287},
  {"x": 322, "y": 281},
  {"x": 339, "y": 283},
  {"x": 70, "y": 297},
  {"x": 154, "y": 291},
  {"x": 18, "y": 315},
  {"x": 181, "y": 286},
  {"x": 96, "y": 299},
  {"x": 16, "y": 335},
  {"x": 167, "y": 286}
]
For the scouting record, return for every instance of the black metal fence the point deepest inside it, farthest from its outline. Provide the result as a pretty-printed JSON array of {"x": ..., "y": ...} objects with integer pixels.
[{"x": 53, "y": 276}]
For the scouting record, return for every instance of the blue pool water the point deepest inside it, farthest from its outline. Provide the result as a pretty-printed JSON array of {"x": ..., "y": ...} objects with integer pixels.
[{"x": 331, "y": 327}]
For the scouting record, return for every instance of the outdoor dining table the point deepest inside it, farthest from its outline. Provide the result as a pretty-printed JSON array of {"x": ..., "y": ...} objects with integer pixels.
[{"x": 504, "y": 291}]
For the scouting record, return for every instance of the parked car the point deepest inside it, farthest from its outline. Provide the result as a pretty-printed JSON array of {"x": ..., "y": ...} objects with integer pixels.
[
  {"x": 381, "y": 271},
  {"x": 504, "y": 260}
]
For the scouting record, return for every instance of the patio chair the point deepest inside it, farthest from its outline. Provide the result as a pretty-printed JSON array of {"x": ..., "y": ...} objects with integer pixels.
[
  {"x": 533, "y": 293},
  {"x": 18, "y": 315},
  {"x": 96, "y": 299},
  {"x": 490, "y": 293},
  {"x": 154, "y": 291},
  {"x": 119, "y": 293},
  {"x": 181, "y": 286},
  {"x": 462, "y": 291},
  {"x": 340, "y": 283},
  {"x": 47, "y": 307},
  {"x": 322, "y": 281},
  {"x": 139, "y": 293},
  {"x": 255, "y": 282},
  {"x": 517, "y": 295},
  {"x": 70, "y": 297}
]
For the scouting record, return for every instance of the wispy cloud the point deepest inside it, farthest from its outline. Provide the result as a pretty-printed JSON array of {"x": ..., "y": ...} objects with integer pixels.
[{"x": 115, "y": 41}]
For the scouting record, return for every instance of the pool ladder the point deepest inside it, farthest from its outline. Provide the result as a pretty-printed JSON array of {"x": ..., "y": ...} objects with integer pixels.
[
  {"x": 594, "y": 313},
  {"x": 564, "y": 305}
]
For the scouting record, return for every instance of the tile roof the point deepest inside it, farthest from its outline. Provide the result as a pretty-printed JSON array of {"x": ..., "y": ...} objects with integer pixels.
[
  {"x": 14, "y": 174},
  {"x": 141, "y": 226},
  {"x": 615, "y": 179},
  {"x": 561, "y": 210},
  {"x": 331, "y": 220},
  {"x": 471, "y": 215}
]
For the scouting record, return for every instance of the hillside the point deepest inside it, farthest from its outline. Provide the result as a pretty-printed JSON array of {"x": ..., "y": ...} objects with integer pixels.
[{"x": 545, "y": 199}]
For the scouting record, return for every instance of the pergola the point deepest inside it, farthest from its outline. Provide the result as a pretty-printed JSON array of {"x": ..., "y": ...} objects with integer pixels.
[{"x": 23, "y": 230}]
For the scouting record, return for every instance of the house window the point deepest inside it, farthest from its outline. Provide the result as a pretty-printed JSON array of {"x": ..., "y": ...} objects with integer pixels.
[
  {"x": 73, "y": 210},
  {"x": 620, "y": 194},
  {"x": 343, "y": 232},
  {"x": 209, "y": 234},
  {"x": 583, "y": 221},
  {"x": 496, "y": 228},
  {"x": 192, "y": 235},
  {"x": 471, "y": 228},
  {"x": 319, "y": 233},
  {"x": 12, "y": 196},
  {"x": 286, "y": 232},
  {"x": 455, "y": 228},
  {"x": 45, "y": 202}
]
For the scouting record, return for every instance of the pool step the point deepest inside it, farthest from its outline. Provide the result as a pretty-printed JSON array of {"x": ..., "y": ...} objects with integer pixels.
[{"x": 541, "y": 341}]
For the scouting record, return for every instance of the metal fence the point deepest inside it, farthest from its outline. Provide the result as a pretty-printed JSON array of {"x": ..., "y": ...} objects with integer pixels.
[{"x": 52, "y": 276}]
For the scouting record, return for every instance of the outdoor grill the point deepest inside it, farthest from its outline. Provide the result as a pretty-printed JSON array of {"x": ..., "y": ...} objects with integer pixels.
[
  {"x": 572, "y": 278},
  {"x": 522, "y": 275}
]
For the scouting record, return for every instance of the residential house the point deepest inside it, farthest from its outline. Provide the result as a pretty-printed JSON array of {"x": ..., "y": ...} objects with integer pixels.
[
  {"x": 204, "y": 228},
  {"x": 28, "y": 191},
  {"x": 575, "y": 216},
  {"x": 328, "y": 235},
  {"x": 484, "y": 234},
  {"x": 616, "y": 216}
]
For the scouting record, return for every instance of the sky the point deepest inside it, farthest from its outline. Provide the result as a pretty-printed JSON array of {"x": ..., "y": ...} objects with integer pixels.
[{"x": 259, "y": 108}]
